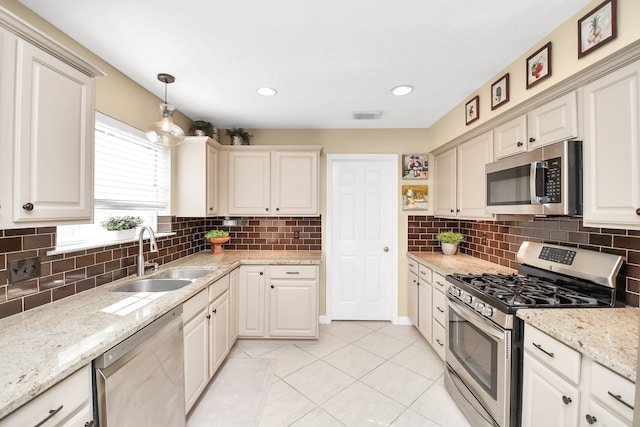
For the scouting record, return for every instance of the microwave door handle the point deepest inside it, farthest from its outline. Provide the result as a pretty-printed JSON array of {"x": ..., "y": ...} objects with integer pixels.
[{"x": 537, "y": 182}]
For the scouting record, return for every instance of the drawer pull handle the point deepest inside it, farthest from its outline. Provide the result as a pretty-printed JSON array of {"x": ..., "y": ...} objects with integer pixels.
[
  {"x": 52, "y": 413},
  {"x": 440, "y": 310},
  {"x": 440, "y": 283},
  {"x": 566, "y": 400},
  {"x": 539, "y": 347},
  {"x": 619, "y": 399},
  {"x": 293, "y": 272},
  {"x": 438, "y": 341},
  {"x": 591, "y": 419},
  {"x": 90, "y": 423}
]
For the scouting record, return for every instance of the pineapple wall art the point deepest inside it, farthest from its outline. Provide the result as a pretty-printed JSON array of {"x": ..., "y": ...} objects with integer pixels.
[{"x": 597, "y": 27}]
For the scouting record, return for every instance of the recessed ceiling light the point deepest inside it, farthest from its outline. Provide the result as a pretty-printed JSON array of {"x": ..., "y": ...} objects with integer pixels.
[
  {"x": 402, "y": 90},
  {"x": 266, "y": 91}
]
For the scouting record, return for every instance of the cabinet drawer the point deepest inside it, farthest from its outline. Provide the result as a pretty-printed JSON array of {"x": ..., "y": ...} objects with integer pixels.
[
  {"x": 557, "y": 356},
  {"x": 72, "y": 395},
  {"x": 613, "y": 390},
  {"x": 439, "y": 282},
  {"x": 194, "y": 305},
  {"x": 438, "y": 339},
  {"x": 413, "y": 266},
  {"x": 218, "y": 287},
  {"x": 292, "y": 272},
  {"x": 424, "y": 273},
  {"x": 438, "y": 306}
]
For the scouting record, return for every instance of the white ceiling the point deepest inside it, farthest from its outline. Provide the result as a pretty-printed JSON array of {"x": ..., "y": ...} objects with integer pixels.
[{"x": 326, "y": 58}]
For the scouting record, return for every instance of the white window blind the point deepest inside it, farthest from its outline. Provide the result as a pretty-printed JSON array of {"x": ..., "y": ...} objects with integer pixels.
[{"x": 130, "y": 171}]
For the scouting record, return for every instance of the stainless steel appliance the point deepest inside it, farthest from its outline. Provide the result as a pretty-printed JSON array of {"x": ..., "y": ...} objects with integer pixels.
[
  {"x": 140, "y": 382},
  {"x": 484, "y": 349},
  {"x": 545, "y": 181}
]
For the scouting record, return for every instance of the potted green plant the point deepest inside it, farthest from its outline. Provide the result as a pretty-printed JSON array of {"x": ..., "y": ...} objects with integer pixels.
[
  {"x": 202, "y": 128},
  {"x": 122, "y": 227},
  {"x": 239, "y": 136},
  {"x": 217, "y": 238},
  {"x": 450, "y": 241}
]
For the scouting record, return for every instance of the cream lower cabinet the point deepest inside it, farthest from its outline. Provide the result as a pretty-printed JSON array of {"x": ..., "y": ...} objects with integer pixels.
[
  {"x": 438, "y": 300},
  {"x": 206, "y": 337},
  {"x": 234, "y": 282},
  {"x": 278, "y": 301},
  {"x": 421, "y": 299},
  {"x": 561, "y": 387},
  {"x": 66, "y": 404},
  {"x": 612, "y": 150}
]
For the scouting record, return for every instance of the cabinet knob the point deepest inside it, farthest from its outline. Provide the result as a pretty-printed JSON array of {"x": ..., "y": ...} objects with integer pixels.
[
  {"x": 451, "y": 210},
  {"x": 277, "y": 209},
  {"x": 532, "y": 139},
  {"x": 566, "y": 400},
  {"x": 272, "y": 286},
  {"x": 266, "y": 209},
  {"x": 386, "y": 249},
  {"x": 591, "y": 419},
  {"x": 208, "y": 316},
  {"x": 28, "y": 207},
  {"x": 214, "y": 311},
  {"x": 90, "y": 423},
  {"x": 261, "y": 273},
  {"x": 638, "y": 211},
  {"x": 519, "y": 144}
]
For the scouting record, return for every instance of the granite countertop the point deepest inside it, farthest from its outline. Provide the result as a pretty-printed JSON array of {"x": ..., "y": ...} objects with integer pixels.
[
  {"x": 607, "y": 335},
  {"x": 459, "y": 263},
  {"x": 41, "y": 347}
]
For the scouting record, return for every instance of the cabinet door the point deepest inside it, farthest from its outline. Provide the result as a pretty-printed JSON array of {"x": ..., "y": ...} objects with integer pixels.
[
  {"x": 555, "y": 121},
  {"x": 413, "y": 298},
  {"x": 293, "y": 308},
  {"x": 234, "y": 280},
  {"x": 191, "y": 182},
  {"x": 547, "y": 399},
  {"x": 251, "y": 302},
  {"x": 445, "y": 197},
  {"x": 196, "y": 361},
  {"x": 473, "y": 155},
  {"x": 54, "y": 134},
  {"x": 295, "y": 183},
  {"x": 218, "y": 332},
  {"x": 510, "y": 138},
  {"x": 612, "y": 150},
  {"x": 249, "y": 183},
  {"x": 425, "y": 313},
  {"x": 212, "y": 180}
]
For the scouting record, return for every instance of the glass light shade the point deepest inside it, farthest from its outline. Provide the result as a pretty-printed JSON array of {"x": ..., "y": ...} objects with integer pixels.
[{"x": 164, "y": 132}]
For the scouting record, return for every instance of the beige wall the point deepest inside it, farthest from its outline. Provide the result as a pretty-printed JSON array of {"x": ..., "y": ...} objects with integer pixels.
[
  {"x": 357, "y": 141},
  {"x": 565, "y": 63},
  {"x": 116, "y": 95}
]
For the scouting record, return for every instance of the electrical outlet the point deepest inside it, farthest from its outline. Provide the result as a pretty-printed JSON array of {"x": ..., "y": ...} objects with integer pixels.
[
  {"x": 23, "y": 269},
  {"x": 296, "y": 234}
]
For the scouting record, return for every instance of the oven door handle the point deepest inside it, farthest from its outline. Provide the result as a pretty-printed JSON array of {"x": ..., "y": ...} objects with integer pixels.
[{"x": 478, "y": 321}]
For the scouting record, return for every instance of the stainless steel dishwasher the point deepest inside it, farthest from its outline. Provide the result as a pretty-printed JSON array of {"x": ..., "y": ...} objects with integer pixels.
[{"x": 140, "y": 382}]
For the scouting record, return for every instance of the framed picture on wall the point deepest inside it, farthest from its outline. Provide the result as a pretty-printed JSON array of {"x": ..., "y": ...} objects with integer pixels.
[
  {"x": 415, "y": 197},
  {"x": 500, "y": 92},
  {"x": 539, "y": 66},
  {"x": 597, "y": 27},
  {"x": 415, "y": 166},
  {"x": 471, "y": 110}
]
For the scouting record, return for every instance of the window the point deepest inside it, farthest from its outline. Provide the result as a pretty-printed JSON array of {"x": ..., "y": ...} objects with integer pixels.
[{"x": 131, "y": 177}]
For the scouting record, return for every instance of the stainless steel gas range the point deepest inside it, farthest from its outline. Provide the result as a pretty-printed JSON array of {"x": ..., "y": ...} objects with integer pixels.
[{"x": 484, "y": 343}]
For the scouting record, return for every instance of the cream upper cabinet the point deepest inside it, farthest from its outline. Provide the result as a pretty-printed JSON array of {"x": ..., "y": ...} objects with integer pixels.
[
  {"x": 612, "y": 150},
  {"x": 196, "y": 177},
  {"x": 510, "y": 138},
  {"x": 460, "y": 190},
  {"x": 554, "y": 121},
  {"x": 267, "y": 181},
  {"x": 47, "y": 122}
]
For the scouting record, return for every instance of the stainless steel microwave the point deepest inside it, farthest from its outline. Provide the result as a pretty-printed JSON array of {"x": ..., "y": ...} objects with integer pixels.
[{"x": 545, "y": 181}]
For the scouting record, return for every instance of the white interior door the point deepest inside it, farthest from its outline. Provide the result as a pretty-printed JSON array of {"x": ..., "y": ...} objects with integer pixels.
[{"x": 362, "y": 228}]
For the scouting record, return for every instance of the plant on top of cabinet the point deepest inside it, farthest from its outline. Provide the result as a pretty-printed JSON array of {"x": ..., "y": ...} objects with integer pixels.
[
  {"x": 450, "y": 241},
  {"x": 202, "y": 128},
  {"x": 239, "y": 136},
  {"x": 217, "y": 238}
]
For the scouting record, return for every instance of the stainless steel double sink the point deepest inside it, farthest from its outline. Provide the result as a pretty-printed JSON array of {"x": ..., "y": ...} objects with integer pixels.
[{"x": 169, "y": 280}]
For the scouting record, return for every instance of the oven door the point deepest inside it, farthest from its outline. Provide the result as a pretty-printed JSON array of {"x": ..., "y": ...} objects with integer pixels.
[{"x": 478, "y": 353}]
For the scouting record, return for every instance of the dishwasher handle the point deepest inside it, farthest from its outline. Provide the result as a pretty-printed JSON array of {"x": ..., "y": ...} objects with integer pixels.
[{"x": 116, "y": 352}]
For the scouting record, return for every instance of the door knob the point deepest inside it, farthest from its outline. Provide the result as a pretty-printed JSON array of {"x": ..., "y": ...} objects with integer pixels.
[{"x": 386, "y": 249}]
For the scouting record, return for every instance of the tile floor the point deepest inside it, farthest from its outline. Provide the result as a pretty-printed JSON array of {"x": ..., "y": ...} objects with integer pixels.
[{"x": 356, "y": 374}]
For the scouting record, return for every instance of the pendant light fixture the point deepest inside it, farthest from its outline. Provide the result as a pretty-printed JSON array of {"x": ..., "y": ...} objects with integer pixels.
[{"x": 164, "y": 132}]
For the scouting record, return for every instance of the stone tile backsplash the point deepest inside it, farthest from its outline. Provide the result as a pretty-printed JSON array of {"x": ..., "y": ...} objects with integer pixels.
[
  {"x": 498, "y": 241},
  {"x": 66, "y": 274}
]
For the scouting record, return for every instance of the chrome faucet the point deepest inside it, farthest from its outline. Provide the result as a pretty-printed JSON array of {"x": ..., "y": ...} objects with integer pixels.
[{"x": 153, "y": 247}]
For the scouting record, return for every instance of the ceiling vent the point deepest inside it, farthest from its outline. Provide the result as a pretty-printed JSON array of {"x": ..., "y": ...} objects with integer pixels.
[{"x": 367, "y": 115}]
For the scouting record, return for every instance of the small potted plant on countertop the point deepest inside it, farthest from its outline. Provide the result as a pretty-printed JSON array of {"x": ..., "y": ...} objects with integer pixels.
[
  {"x": 217, "y": 238},
  {"x": 450, "y": 241},
  {"x": 123, "y": 227},
  {"x": 239, "y": 136}
]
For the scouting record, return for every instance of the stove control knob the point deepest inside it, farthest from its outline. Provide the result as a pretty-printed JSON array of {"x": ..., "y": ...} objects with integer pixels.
[
  {"x": 480, "y": 307},
  {"x": 468, "y": 299},
  {"x": 454, "y": 291},
  {"x": 488, "y": 311}
]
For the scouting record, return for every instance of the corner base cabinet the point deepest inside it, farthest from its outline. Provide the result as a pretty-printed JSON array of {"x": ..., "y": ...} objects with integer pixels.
[{"x": 278, "y": 301}]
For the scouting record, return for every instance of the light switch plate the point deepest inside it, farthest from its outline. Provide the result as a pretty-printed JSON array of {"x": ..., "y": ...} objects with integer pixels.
[{"x": 23, "y": 269}]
